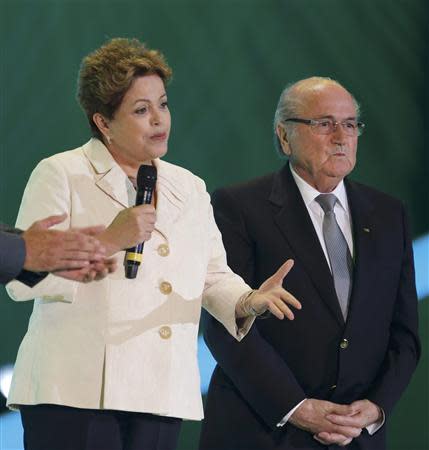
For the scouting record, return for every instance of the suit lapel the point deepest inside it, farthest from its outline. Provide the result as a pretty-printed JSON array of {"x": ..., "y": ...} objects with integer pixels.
[
  {"x": 294, "y": 222},
  {"x": 171, "y": 197},
  {"x": 113, "y": 183},
  {"x": 112, "y": 180},
  {"x": 109, "y": 177},
  {"x": 364, "y": 246}
]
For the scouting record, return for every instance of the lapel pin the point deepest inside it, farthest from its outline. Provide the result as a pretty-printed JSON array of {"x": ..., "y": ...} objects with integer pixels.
[{"x": 366, "y": 230}]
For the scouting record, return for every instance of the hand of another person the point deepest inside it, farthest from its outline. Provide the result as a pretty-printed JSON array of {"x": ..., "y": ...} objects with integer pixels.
[
  {"x": 271, "y": 296},
  {"x": 94, "y": 272},
  {"x": 130, "y": 227},
  {"x": 312, "y": 416},
  {"x": 48, "y": 250}
]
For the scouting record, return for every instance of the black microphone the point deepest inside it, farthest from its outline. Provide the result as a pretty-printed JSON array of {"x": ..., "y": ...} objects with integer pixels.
[{"x": 146, "y": 180}]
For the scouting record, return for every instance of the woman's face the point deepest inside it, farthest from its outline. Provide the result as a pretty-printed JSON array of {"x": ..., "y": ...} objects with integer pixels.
[{"x": 140, "y": 128}]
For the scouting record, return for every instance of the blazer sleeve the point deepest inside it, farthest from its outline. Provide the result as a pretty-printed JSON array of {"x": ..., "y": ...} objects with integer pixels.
[
  {"x": 222, "y": 287},
  {"x": 47, "y": 193},
  {"x": 256, "y": 369},
  {"x": 403, "y": 352}
]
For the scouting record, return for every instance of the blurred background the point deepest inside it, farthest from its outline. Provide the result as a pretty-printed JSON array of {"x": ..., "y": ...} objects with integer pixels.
[{"x": 231, "y": 59}]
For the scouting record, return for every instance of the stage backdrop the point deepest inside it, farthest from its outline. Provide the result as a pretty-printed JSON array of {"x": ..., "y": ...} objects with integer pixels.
[{"x": 231, "y": 59}]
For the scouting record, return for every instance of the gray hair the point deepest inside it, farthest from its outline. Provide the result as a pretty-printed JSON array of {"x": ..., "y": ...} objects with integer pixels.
[{"x": 290, "y": 103}]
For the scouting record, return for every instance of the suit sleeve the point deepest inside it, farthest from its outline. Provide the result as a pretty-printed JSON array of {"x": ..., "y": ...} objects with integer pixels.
[
  {"x": 404, "y": 346},
  {"x": 12, "y": 258},
  {"x": 47, "y": 193},
  {"x": 12, "y": 254},
  {"x": 258, "y": 372}
]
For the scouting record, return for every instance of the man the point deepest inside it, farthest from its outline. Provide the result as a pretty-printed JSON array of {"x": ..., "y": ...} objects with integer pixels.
[
  {"x": 74, "y": 254},
  {"x": 332, "y": 376}
]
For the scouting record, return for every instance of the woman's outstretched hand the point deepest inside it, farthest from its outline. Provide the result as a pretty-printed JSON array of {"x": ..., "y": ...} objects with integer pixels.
[{"x": 270, "y": 296}]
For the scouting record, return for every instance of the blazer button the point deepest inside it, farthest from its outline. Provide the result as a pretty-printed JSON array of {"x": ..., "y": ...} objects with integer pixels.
[
  {"x": 334, "y": 386},
  {"x": 163, "y": 250},
  {"x": 165, "y": 332},
  {"x": 165, "y": 287},
  {"x": 344, "y": 344}
]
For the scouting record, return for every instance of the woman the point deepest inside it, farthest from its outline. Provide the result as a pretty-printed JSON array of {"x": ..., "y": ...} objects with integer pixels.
[{"x": 112, "y": 365}]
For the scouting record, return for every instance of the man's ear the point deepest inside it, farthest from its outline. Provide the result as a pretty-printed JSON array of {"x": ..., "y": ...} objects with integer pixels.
[
  {"x": 103, "y": 125},
  {"x": 282, "y": 135}
]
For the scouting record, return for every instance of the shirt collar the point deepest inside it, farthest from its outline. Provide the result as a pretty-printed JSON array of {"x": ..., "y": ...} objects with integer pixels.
[{"x": 308, "y": 192}]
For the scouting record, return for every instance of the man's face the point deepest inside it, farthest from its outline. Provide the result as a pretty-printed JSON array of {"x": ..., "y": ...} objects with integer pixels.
[{"x": 323, "y": 160}]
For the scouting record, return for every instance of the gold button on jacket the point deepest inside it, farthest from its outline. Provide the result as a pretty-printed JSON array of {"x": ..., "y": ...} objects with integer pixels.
[
  {"x": 165, "y": 287},
  {"x": 163, "y": 250},
  {"x": 165, "y": 332},
  {"x": 344, "y": 344}
]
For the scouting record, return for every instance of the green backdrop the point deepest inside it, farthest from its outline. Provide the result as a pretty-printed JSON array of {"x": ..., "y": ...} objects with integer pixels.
[{"x": 231, "y": 59}]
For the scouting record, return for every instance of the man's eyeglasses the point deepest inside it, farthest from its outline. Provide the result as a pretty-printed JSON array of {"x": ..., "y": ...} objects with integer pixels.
[{"x": 328, "y": 126}]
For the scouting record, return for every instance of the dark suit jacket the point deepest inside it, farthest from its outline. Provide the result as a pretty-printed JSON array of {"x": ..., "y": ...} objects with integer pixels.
[
  {"x": 12, "y": 257},
  {"x": 263, "y": 223}
]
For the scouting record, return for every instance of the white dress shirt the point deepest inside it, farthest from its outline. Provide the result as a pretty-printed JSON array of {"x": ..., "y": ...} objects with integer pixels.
[{"x": 341, "y": 210}]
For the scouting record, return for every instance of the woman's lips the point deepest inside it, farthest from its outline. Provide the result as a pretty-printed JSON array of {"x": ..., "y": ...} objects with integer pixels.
[{"x": 159, "y": 137}]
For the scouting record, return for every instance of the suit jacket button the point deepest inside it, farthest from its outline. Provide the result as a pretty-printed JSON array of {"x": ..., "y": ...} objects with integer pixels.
[
  {"x": 334, "y": 386},
  {"x": 165, "y": 287},
  {"x": 163, "y": 250},
  {"x": 165, "y": 332},
  {"x": 344, "y": 344}
]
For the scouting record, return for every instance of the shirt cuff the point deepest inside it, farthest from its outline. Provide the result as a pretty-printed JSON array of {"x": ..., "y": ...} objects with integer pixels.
[
  {"x": 243, "y": 326},
  {"x": 287, "y": 416}
]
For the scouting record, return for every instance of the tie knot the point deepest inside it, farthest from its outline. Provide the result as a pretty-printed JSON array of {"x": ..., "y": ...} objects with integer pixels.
[{"x": 327, "y": 202}]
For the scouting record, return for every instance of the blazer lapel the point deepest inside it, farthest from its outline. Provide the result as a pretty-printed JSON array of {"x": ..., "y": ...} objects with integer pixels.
[
  {"x": 109, "y": 177},
  {"x": 294, "y": 222},
  {"x": 363, "y": 229},
  {"x": 171, "y": 197}
]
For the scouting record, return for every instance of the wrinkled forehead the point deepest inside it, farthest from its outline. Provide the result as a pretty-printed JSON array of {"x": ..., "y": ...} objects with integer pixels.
[{"x": 326, "y": 100}]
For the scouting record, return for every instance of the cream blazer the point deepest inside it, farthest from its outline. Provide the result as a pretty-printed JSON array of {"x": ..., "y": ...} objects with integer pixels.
[{"x": 123, "y": 344}]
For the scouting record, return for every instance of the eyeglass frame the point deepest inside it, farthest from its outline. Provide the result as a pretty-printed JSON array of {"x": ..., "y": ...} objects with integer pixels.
[{"x": 360, "y": 126}]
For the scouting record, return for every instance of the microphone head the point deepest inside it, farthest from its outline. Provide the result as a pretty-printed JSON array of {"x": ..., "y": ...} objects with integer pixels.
[{"x": 146, "y": 177}]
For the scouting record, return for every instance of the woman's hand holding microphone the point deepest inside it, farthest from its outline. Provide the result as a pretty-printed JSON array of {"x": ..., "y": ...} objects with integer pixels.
[{"x": 129, "y": 228}]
